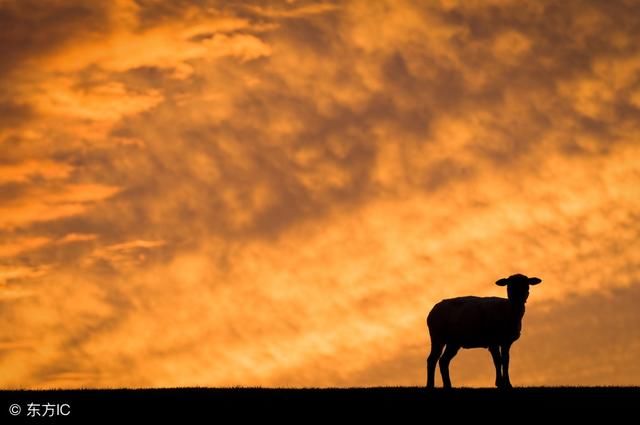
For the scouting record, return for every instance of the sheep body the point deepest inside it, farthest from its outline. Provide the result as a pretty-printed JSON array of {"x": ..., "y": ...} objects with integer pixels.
[{"x": 474, "y": 322}]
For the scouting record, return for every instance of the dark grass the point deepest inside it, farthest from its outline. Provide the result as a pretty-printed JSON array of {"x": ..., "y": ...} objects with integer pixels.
[{"x": 318, "y": 403}]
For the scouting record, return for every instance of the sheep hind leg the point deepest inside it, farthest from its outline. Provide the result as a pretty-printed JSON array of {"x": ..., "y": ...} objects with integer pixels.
[
  {"x": 495, "y": 354},
  {"x": 449, "y": 353},
  {"x": 432, "y": 360}
]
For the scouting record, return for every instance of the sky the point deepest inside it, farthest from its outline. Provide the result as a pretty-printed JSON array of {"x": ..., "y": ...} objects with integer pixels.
[{"x": 216, "y": 193}]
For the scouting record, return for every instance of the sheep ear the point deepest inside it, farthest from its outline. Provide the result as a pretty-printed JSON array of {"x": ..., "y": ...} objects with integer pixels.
[
  {"x": 534, "y": 281},
  {"x": 502, "y": 282}
]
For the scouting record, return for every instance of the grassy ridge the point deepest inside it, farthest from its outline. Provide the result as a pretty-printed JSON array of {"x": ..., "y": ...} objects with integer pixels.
[{"x": 243, "y": 403}]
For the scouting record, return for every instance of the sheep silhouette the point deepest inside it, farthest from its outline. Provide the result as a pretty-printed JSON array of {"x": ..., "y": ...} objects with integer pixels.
[{"x": 475, "y": 322}]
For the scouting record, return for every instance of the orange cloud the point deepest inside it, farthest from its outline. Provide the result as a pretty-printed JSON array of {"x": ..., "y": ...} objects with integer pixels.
[
  {"x": 39, "y": 204},
  {"x": 77, "y": 237},
  {"x": 124, "y": 255},
  {"x": 18, "y": 246},
  {"x": 171, "y": 44},
  {"x": 9, "y": 273},
  {"x": 294, "y": 12},
  {"x": 33, "y": 168}
]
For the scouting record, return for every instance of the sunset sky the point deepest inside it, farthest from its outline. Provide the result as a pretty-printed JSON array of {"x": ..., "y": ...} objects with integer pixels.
[{"x": 222, "y": 193}]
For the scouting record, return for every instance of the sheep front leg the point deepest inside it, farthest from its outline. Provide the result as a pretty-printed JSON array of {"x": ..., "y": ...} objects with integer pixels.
[
  {"x": 495, "y": 355},
  {"x": 449, "y": 353},
  {"x": 506, "y": 382},
  {"x": 432, "y": 360}
]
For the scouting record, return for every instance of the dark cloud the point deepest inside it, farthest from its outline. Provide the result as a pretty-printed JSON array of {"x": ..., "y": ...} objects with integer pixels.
[
  {"x": 14, "y": 114},
  {"x": 31, "y": 28}
]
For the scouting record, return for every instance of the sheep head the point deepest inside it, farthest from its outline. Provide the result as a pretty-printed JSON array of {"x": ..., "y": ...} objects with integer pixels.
[{"x": 518, "y": 286}]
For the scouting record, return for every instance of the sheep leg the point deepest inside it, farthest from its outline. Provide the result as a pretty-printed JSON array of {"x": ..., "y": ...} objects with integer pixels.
[
  {"x": 436, "y": 351},
  {"x": 495, "y": 354},
  {"x": 506, "y": 382},
  {"x": 449, "y": 353}
]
